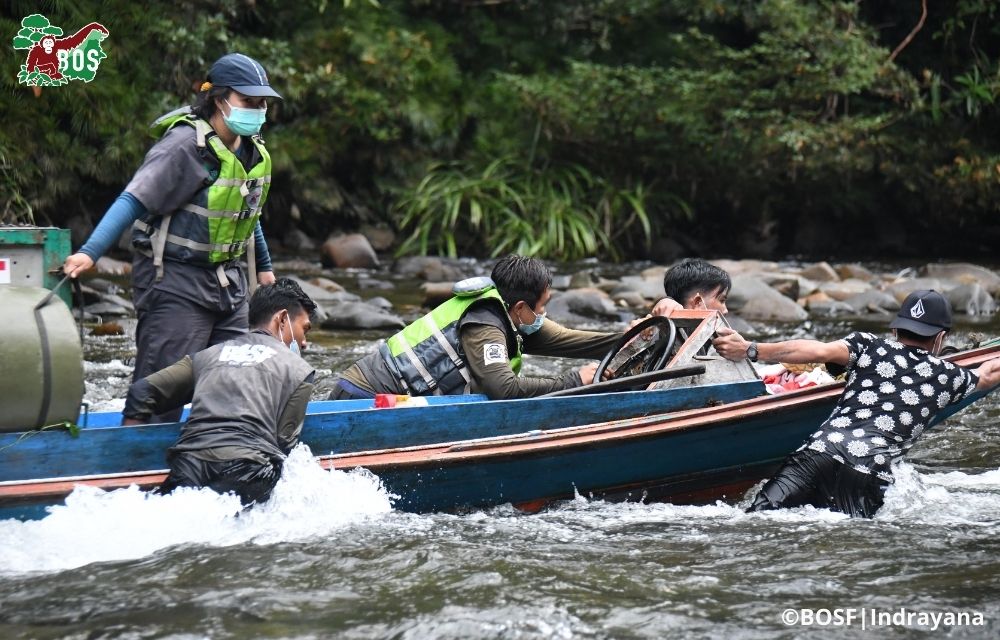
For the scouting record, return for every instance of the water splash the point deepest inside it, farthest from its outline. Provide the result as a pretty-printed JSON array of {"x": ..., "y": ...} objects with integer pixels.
[
  {"x": 98, "y": 526},
  {"x": 955, "y": 497}
]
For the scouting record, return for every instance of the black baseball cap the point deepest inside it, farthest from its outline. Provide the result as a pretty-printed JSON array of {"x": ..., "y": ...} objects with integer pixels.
[
  {"x": 925, "y": 313},
  {"x": 241, "y": 73}
]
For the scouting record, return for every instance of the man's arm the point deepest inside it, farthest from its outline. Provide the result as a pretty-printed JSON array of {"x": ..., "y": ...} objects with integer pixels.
[
  {"x": 485, "y": 348},
  {"x": 733, "y": 346},
  {"x": 166, "y": 389},
  {"x": 290, "y": 422},
  {"x": 553, "y": 339},
  {"x": 989, "y": 374}
]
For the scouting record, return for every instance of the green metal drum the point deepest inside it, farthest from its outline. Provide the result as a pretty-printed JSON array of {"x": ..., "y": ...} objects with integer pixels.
[{"x": 41, "y": 360}]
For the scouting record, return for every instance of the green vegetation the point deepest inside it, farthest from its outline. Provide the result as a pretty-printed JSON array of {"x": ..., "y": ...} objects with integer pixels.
[{"x": 610, "y": 128}]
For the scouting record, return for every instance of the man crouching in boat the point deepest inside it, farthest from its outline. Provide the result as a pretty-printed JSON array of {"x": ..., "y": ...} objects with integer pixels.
[
  {"x": 249, "y": 399},
  {"x": 895, "y": 388},
  {"x": 473, "y": 342}
]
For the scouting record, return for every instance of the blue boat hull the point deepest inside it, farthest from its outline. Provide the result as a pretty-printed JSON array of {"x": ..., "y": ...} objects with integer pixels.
[
  {"x": 346, "y": 426},
  {"x": 686, "y": 444}
]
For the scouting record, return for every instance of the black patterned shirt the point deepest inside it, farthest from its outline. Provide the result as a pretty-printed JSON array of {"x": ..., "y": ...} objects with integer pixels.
[{"x": 893, "y": 392}]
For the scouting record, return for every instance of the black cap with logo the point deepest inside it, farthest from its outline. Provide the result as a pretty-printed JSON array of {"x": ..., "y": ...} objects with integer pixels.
[
  {"x": 241, "y": 73},
  {"x": 925, "y": 313}
]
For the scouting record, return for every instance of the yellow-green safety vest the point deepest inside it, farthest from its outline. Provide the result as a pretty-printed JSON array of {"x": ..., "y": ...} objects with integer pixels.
[
  {"x": 426, "y": 355},
  {"x": 218, "y": 225}
]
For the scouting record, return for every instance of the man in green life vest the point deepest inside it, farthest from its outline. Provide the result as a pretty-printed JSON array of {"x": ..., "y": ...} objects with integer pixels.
[{"x": 473, "y": 342}]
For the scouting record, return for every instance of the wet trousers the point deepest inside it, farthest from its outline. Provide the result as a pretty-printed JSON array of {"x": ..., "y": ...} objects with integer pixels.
[
  {"x": 249, "y": 479},
  {"x": 811, "y": 477}
]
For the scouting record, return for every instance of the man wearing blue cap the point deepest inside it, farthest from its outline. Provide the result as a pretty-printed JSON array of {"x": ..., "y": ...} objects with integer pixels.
[
  {"x": 194, "y": 206},
  {"x": 895, "y": 389}
]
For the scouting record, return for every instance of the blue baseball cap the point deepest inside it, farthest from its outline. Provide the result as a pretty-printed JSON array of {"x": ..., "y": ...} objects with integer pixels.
[{"x": 241, "y": 73}]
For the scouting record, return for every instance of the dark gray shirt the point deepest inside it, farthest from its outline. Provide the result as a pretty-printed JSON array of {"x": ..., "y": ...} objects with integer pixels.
[{"x": 249, "y": 398}]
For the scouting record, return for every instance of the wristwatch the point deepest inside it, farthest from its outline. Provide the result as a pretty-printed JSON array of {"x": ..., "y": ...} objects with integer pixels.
[{"x": 752, "y": 352}]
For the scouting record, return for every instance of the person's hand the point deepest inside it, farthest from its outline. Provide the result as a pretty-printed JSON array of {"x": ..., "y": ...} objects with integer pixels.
[
  {"x": 637, "y": 321},
  {"x": 265, "y": 278},
  {"x": 77, "y": 264},
  {"x": 730, "y": 344},
  {"x": 989, "y": 373},
  {"x": 665, "y": 306},
  {"x": 587, "y": 372},
  {"x": 131, "y": 422}
]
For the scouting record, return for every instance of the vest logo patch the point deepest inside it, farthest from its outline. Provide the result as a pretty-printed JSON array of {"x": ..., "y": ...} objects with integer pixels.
[
  {"x": 245, "y": 355},
  {"x": 917, "y": 310},
  {"x": 253, "y": 198},
  {"x": 494, "y": 352}
]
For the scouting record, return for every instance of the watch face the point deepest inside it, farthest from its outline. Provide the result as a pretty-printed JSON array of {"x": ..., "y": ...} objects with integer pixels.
[{"x": 752, "y": 351}]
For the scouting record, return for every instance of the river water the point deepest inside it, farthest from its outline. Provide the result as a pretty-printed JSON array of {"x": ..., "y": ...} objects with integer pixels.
[{"x": 329, "y": 557}]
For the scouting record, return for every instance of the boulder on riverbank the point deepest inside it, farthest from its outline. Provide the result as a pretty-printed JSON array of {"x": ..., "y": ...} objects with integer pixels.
[
  {"x": 579, "y": 306},
  {"x": 753, "y": 299},
  {"x": 349, "y": 251},
  {"x": 431, "y": 269},
  {"x": 359, "y": 315},
  {"x": 965, "y": 273}
]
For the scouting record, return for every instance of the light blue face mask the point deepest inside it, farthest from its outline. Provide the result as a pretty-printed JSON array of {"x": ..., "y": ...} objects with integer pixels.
[
  {"x": 244, "y": 122},
  {"x": 528, "y": 329},
  {"x": 293, "y": 346}
]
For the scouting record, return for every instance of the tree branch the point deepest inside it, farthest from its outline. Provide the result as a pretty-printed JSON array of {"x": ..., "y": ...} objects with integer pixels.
[{"x": 909, "y": 37}]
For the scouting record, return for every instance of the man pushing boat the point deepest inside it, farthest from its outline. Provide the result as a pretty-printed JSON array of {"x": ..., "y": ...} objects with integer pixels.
[
  {"x": 895, "y": 389},
  {"x": 249, "y": 399}
]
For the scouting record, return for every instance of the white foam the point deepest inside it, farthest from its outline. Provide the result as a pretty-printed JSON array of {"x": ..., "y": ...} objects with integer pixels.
[
  {"x": 98, "y": 526},
  {"x": 954, "y": 497}
]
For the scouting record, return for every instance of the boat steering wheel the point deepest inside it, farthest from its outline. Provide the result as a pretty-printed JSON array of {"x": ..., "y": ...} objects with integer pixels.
[{"x": 643, "y": 348}]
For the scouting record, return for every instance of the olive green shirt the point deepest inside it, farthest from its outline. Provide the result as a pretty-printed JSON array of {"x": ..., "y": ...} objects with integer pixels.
[{"x": 486, "y": 341}]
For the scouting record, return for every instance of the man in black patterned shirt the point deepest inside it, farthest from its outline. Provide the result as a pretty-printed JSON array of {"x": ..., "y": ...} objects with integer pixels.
[{"x": 895, "y": 389}]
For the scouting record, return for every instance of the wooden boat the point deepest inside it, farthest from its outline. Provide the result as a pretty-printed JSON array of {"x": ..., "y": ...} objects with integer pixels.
[{"x": 710, "y": 435}]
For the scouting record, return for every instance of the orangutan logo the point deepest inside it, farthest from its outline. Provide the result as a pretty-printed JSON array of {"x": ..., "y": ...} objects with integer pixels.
[{"x": 53, "y": 60}]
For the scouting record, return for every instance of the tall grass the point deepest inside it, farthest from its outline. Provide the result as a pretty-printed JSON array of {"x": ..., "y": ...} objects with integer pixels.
[{"x": 563, "y": 212}]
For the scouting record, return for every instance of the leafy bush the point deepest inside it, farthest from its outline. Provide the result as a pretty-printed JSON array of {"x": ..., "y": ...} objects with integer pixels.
[{"x": 509, "y": 207}]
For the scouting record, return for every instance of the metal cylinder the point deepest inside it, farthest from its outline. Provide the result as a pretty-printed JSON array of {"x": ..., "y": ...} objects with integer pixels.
[{"x": 41, "y": 360}]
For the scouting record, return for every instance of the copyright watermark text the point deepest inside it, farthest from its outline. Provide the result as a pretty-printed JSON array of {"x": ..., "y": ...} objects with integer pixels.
[{"x": 872, "y": 617}]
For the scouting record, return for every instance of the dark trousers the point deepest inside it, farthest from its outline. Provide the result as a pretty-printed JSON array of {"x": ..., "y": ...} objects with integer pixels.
[
  {"x": 811, "y": 477},
  {"x": 344, "y": 390},
  {"x": 252, "y": 481},
  {"x": 171, "y": 327}
]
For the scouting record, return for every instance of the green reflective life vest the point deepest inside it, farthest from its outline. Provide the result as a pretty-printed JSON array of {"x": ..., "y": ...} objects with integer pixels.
[
  {"x": 218, "y": 225},
  {"x": 426, "y": 356}
]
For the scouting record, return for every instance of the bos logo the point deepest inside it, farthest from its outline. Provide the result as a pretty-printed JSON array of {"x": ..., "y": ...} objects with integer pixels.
[
  {"x": 245, "y": 355},
  {"x": 54, "y": 60}
]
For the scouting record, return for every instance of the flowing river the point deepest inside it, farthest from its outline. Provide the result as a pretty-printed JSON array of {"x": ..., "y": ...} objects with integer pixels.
[{"x": 329, "y": 557}]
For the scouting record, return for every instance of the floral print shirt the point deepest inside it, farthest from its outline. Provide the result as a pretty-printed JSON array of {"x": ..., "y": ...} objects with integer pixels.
[{"x": 893, "y": 391}]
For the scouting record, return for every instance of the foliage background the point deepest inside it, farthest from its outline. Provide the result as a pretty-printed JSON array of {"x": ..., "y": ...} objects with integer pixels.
[{"x": 615, "y": 128}]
